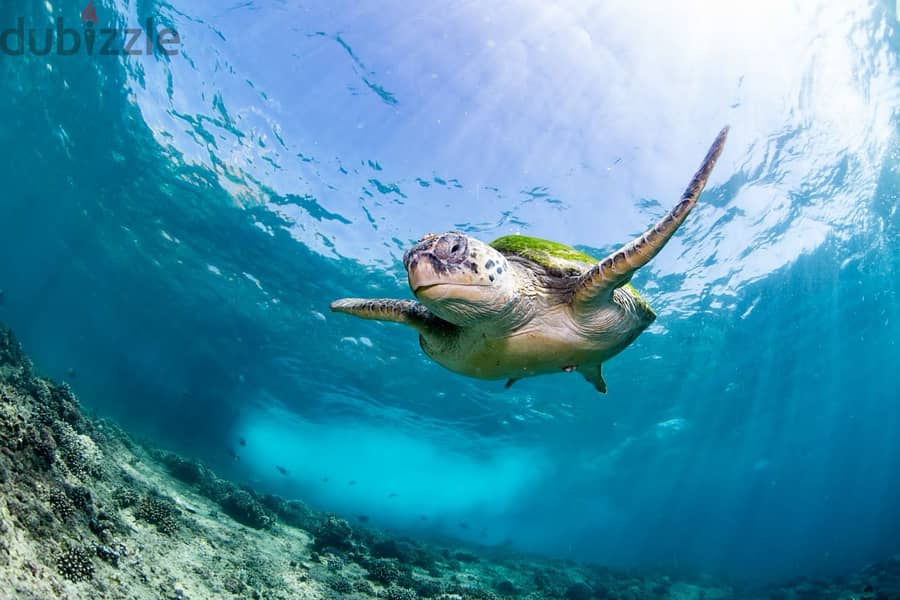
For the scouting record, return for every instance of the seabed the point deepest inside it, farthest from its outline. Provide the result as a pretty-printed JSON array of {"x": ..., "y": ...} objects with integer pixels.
[{"x": 87, "y": 512}]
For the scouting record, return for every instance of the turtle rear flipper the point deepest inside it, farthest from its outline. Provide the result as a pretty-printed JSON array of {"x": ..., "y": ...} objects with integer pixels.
[
  {"x": 408, "y": 312},
  {"x": 595, "y": 377},
  {"x": 598, "y": 283}
]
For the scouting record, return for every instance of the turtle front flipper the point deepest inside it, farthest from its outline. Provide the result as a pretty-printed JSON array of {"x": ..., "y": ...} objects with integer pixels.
[
  {"x": 598, "y": 283},
  {"x": 408, "y": 312}
]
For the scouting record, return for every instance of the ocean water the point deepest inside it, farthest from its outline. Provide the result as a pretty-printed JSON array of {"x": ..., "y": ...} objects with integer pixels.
[{"x": 174, "y": 227}]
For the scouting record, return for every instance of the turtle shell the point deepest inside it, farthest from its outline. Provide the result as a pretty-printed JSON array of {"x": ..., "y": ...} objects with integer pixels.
[{"x": 553, "y": 256}]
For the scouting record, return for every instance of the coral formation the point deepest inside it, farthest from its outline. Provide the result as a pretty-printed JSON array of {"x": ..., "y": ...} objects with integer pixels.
[
  {"x": 123, "y": 497},
  {"x": 292, "y": 512},
  {"x": 333, "y": 534},
  {"x": 334, "y": 563},
  {"x": 404, "y": 550},
  {"x": 78, "y": 451},
  {"x": 395, "y": 592},
  {"x": 75, "y": 564},
  {"x": 160, "y": 512},
  {"x": 188, "y": 471},
  {"x": 340, "y": 584},
  {"x": 506, "y": 587},
  {"x": 579, "y": 591},
  {"x": 427, "y": 588},
  {"x": 244, "y": 508},
  {"x": 60, "y": 503},
  {"x": 383, "y": 570},
  {"x": 364, "y": 587}
]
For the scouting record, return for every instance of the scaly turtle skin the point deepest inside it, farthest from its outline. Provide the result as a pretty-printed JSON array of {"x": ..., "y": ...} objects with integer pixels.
[{"x": 523, "y": 306}]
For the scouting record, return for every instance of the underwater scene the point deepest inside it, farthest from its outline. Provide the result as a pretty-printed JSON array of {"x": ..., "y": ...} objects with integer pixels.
[{"x": 451, "y": 300}]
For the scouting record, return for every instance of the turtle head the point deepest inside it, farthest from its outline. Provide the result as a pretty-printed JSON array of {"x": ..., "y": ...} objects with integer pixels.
[{"x": 460, "y": 279}]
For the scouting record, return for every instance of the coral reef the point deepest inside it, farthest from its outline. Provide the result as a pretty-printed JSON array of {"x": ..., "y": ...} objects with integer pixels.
[
  {"x": 60, "y": 503},
  {"x": 241, "y": 506},
  {"x": 75, "y": 564},
  {"x": 395, "y": 592},
  {"x": 579, "y": 591},
  {"x": 404, "y": 550},
  {"x": 333, "y": 534},
  {"x": 78, "y": 451},
  {"x": 188, "y": 471},
  {"x": 383, "y": 570},
  {"x": 87, "y": 513},
  {"x": 292, "y": 512},
  {"x": 428, "y": 588},
  {"x": 334, "y": 563},
  {"x": 340, "y": 584},
  {"x": 159, "y": 511},
  {"x": 123, "y": 497},
  {"x": 364, "y": 587}
]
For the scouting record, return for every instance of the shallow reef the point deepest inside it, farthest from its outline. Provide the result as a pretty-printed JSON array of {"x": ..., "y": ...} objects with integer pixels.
[{"x": 85, "y": 512}]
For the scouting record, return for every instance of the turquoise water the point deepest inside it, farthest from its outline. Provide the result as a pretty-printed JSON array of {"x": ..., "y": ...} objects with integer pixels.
[{"x": 174, "y": 228}]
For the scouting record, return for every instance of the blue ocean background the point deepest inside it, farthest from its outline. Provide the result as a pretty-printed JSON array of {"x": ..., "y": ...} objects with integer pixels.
[{"x": 173, "y": 229}]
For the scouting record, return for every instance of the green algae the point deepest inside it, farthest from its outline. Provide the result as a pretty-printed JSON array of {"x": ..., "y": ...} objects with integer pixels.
[{"x": 551, "y": 255}]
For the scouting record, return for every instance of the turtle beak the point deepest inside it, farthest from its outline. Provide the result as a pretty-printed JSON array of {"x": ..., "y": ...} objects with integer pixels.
[
  {"x": 422, "y": 274},
  {"x": 430, "y": 279},
  {"x": 435, "y": 259}
]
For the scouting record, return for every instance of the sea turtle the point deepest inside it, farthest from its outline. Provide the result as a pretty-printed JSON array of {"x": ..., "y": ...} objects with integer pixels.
[{"x": 523, "y": 306}]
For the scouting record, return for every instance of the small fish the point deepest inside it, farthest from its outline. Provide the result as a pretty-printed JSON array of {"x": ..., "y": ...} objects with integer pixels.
[
  {"x": 324, "y": 480},
  {"x": 282, "y": 470},
  {"x": 463, "y": 525},
  {"x": 363, "y": 518},
  {"x": 393, "y": 495},
  {"x": 71, "y": 373},
  {"x": 423, "y": 517},
  {"x": 242, "y": 441},
  {"x": 351, "y": 482},
  {"x": 233, "y": 455}
]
